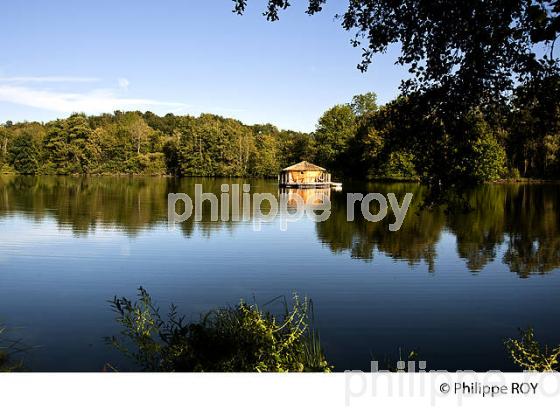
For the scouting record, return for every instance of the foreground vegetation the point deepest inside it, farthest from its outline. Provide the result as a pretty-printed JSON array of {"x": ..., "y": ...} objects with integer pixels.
[
  {"x": 528, "y": 354},
  {"x": 242, "y": 338},
  {"x": 246, "y": 339}
]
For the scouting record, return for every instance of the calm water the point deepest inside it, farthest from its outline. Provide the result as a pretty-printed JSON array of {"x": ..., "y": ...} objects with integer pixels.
[{"x": 450, "y": 286}]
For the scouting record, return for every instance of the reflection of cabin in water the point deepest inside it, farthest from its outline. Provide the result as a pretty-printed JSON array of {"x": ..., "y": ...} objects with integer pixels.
[
  {"x": 310, "y": 196},
  {"x": 305, "y": 175}
]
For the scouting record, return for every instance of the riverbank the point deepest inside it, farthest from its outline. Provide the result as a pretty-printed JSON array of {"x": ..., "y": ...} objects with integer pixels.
[
  {"x": 11, "y": 172},
  {"x": 525, "y": 181},
  {"x": 497, "y": 181}
]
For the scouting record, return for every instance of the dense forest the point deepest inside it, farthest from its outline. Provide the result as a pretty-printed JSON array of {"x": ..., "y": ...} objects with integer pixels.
[
  {"x": 359, "y": 139},
  {"x": 144, "y": 143}
]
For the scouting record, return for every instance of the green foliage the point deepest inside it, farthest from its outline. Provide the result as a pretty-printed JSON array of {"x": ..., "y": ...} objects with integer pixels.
[
  {"x": 295, "y": 147},
  {"x": 7, "y": 170},
  {"x": 485, "y": 157},
  {"x": 138, "y": 131},
  {"x": 69, "y": 148},
  {"x": 265, "y": 160},
  {"x": 210, "y": 146},
  {"x": 148, "y": 164},
  {"x": 364, "y": 105},
  {"x": 398, "y": 165},
  {"x": 233, "y": 339},
  {"x": 171, "y": 155},
  {"x": 137, "y": 143},
  {"x": 534, "y": 125},
  {"x": 24, "y": 154},
  {"x": 528, "y": 354},
  {"x": 406, "y": 138},
  {"x": 336, "y": 128},
  {"x": 6, "y": 135}
]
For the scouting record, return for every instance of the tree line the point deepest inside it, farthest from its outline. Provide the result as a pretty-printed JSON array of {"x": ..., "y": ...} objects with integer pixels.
[
  {"x": 360, "y": 139},
  {"x": 408, "y": 138},
  {"x": 144, "y": 143},
  {"x": 481, "y": 103}
]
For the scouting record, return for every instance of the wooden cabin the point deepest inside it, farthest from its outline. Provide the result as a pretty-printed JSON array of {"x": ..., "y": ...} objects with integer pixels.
[{"x": 305, "y": 175}]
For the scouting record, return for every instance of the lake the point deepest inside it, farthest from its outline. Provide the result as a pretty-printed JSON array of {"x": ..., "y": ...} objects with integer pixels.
[{"x": 449, "y": 285}]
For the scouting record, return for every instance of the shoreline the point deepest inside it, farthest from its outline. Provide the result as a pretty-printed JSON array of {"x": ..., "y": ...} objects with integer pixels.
[{"x": 501, "y": 181}]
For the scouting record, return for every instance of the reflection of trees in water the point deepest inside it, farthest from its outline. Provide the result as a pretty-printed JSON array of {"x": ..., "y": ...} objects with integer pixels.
[
  {"x": 414, "y": 242},
  {"x": 524, "y": 218},
  {"x": 131, "y": 204},
  {"x": 84, "y": 204},
  {"x": 533, "y": 229},
  {"x": 481, "y": 229}
]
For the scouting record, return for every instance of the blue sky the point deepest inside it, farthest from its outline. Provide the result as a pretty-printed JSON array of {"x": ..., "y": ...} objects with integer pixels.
[{"x": 184, "y": 57}]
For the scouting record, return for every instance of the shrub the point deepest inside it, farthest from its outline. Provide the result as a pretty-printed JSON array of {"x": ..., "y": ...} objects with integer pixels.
[
  {"x": 399, "y": 164},
  {"x": 528, "y": 354},
  {"x": 242, "y": 338},
  {"x": 147, "y": 164},
  {"x": 488, "y": 160},
  {"x": 477, "y": 154},
  {"x": 513, "y": 173},
  {"x": 5, "y": 169}
]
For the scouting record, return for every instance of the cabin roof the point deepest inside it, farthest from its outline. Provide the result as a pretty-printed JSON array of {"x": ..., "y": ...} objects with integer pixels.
[{"x": 304, "y": 166}]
